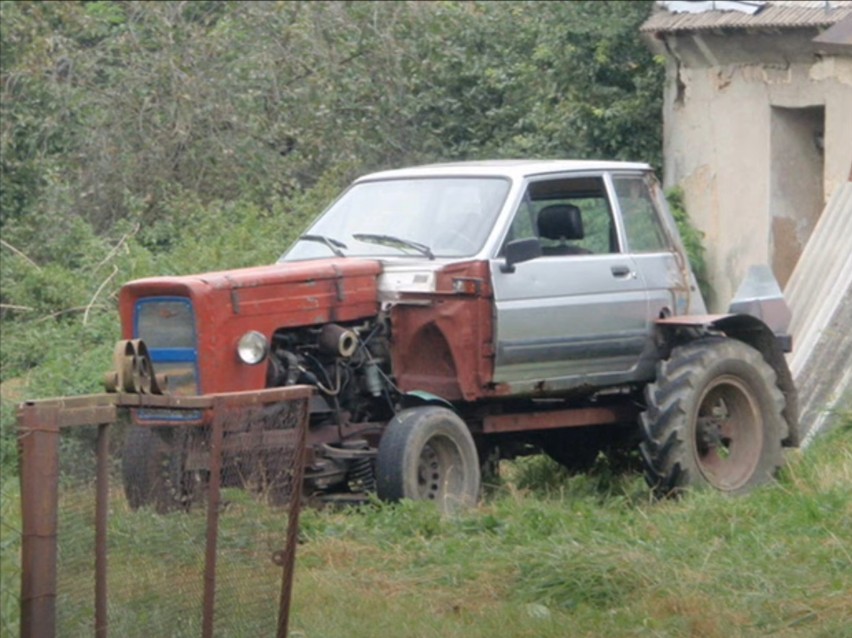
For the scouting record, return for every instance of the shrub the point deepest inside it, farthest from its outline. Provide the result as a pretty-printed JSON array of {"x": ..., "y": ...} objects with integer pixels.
[{"x": 692, "y": 239}]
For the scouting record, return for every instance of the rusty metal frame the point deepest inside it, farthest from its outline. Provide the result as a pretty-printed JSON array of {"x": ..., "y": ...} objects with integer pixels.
[
  {"x": 39, "y": 424},
  {"x": 569, "y": 418}
]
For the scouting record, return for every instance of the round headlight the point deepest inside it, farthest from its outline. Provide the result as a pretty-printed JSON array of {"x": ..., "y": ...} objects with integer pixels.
[{"x": 252, "y": 348}]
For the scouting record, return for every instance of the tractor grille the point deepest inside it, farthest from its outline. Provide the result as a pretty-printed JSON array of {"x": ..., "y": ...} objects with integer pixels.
[{"x": 167, "y": 326}]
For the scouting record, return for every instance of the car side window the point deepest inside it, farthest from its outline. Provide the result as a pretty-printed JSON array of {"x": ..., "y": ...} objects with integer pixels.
[
  {"x": 569, "y": 216},
  {"x": 642, "y": 225}
]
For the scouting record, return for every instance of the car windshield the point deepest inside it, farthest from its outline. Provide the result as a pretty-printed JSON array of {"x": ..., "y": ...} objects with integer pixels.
[{"x": 431, "y": 217}]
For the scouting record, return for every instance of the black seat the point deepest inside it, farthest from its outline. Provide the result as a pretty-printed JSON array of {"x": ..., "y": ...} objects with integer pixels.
[{"x": 561, "y": 222}]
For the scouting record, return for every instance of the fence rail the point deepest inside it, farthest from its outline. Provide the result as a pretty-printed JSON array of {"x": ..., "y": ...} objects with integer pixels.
[{"x": 174, "y": 470}]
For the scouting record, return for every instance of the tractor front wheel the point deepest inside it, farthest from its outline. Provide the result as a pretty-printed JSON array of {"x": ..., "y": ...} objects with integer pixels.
[
  {"x": 428, "y": 453},
  {"x": 153, "y": 470}
]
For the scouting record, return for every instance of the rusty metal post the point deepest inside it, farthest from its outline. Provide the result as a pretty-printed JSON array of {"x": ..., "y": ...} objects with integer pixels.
[
  {"x": 101, "y": 509},
  {"x": 39, "y": 449},
  {"x": 289, "y": 558},
  {"x": 217, "y": 435}
]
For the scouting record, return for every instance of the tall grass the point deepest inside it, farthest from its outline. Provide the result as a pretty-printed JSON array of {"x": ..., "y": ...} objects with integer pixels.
[
  {"x": 592, "y": 557},
  {"x": 546, "y": 555}
]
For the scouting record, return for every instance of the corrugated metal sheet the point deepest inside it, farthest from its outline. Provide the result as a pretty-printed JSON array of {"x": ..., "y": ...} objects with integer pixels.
[
  {"x": 811, "y": 4},
  {"x": 837, "y": 38},
  {"x": 773, "y": 15},
  {"x": 820, "y": 296}
]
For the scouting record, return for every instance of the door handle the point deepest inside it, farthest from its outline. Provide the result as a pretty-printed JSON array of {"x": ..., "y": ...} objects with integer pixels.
[{"x": 623, "y": 272}]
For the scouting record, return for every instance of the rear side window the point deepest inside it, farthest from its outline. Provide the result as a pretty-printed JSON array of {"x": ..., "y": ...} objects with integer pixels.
[
  {"x": 642, "y": 225},
  {"x": 569, "y": 216}
]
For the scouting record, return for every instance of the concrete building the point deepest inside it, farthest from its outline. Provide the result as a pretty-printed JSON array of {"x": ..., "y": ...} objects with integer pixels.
[
  {"x": 758, "y": 133},
  {"x": 757, "y": 125}
]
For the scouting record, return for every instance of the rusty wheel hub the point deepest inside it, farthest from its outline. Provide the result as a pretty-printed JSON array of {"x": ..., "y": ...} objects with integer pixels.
[{"x": 728, "y": 433}]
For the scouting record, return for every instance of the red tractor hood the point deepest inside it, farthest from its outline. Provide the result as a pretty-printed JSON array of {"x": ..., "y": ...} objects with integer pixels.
[
  {"x": 228, "y": 304},
  {"x": 293, "y": 272},
  {"x": 278, "y": 296}
]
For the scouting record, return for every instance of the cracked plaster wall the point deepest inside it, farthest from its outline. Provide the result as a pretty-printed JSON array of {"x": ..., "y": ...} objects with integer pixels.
[{"x": 719, "y": 94}]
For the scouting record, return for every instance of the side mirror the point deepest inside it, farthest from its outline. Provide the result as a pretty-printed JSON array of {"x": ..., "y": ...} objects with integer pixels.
[{"x": 520, "y": 250}]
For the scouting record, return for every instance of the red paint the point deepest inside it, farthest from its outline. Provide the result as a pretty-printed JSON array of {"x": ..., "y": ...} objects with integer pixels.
[
  {"x": 445, "y": 347},
  {"x": 228, "y": 304},
  {"x": 442, "y": 345}
]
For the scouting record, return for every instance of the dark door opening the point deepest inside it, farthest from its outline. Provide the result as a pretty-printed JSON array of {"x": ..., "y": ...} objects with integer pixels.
[{"x": 796, "y": 183}]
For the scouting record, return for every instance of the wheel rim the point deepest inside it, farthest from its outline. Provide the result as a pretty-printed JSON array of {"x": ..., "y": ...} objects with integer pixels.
[
  {"x": 728, "y": 433},
  {"x": 440, "y": 470}
]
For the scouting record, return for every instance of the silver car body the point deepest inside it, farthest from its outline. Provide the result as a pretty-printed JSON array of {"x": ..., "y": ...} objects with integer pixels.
[{"x": 566, "y": 320}]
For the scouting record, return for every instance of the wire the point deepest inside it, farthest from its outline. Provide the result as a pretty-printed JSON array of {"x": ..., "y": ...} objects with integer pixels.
[{"x": 326, "y": 390}]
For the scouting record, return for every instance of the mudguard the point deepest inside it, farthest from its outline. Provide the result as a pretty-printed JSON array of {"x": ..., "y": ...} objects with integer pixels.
[
  {"x": 421, "y": 397},
  {"x": 760, "y": 317}
]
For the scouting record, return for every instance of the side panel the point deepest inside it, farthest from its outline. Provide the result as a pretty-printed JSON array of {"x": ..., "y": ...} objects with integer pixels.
[
  {"x": 442, "y": 341},
  {"x": 667, "y": 295},
  {"x": 568, "y": 317}
]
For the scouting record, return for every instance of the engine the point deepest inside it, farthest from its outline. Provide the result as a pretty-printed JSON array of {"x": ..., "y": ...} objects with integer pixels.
[{"x": 350, "y": 367}]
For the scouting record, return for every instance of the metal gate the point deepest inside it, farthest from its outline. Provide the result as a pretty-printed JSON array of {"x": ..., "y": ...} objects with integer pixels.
[{"x": 202, "y": 534}]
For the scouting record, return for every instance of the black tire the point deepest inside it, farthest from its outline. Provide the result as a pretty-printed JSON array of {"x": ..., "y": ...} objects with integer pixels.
[
  {"x": 152, "y": 470},
  {"x": 713, "y": 420},
  {"x": 428, "y": 453}
]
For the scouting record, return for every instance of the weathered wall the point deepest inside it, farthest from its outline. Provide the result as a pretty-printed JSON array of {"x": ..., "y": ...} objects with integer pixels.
[{"x": 719, "y": 129}]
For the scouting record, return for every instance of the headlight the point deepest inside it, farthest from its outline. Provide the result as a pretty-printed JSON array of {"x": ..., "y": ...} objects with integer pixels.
[{"x": 252, "y": 348}]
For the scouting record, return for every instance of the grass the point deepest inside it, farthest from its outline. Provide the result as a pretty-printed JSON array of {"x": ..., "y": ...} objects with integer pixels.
[
  {"x": 582, "y": 556},
  {"x": 535, "y": 563}
]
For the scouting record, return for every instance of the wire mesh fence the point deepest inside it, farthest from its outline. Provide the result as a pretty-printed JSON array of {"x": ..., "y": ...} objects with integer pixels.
[
  {"x": 10, "y": 556},
  {"x": 151, "y": 523}
]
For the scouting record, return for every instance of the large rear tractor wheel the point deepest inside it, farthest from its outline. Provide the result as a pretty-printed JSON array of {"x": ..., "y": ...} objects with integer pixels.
[
  {"x": 428, "y": 453},
  {"x": 713, "y": 420}
]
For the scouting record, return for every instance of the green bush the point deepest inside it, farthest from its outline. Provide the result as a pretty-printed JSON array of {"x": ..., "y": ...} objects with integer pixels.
[
  {"x": 692, "y": 239},
  {"x": 60, "y": 319}
]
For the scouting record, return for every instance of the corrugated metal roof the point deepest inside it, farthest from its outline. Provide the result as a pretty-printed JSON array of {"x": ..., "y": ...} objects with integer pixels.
[{"x": 771, "y": 15}]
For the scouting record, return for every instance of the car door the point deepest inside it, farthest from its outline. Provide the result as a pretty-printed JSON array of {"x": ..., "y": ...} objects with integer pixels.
[
  {"x": 661, "y": 263},
  {"x": 579, "y": 313}
]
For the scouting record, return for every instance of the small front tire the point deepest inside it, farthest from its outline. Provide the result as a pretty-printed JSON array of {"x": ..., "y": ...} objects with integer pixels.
[
  {"x": 428, "y": 453},
  {"x": 153, "y": 472}
]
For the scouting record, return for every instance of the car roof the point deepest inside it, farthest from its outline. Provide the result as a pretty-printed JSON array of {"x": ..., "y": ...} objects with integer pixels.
[{"x": 516, "y": 168}]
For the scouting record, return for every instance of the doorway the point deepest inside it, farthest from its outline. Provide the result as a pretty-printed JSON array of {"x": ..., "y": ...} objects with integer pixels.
[{"x": 796, "y": 183}]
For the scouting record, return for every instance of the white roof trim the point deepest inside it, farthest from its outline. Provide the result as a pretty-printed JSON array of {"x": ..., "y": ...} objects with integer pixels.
[{"x": 513, "y": 169}]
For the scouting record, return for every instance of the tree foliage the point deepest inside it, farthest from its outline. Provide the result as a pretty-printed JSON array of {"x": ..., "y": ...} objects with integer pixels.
[
  {"x": 141, "y": 138},
  {"x": 110, "y": 106},
  {"x": 693, "y": 240}
]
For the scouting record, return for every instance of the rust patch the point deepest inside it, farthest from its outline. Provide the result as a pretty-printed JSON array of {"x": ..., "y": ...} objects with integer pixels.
[
  {"x": 576, "y": 417},
  {"x": 445, "y": 347},
  {"x": 338, "y": 284}
]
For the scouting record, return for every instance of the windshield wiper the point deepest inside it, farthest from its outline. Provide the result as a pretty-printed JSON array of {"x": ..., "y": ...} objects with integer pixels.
[
  {"x": 334, "y": 245},
  {"x": 396, "y": 242}
]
